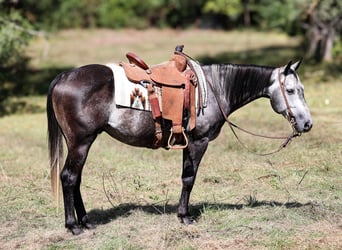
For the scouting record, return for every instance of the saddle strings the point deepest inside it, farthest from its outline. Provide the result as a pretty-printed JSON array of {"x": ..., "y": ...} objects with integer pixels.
[{"x": 290, "y": 118}]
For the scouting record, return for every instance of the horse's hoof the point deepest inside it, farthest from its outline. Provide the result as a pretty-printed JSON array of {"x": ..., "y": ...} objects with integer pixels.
[
  {"x": 75, "y": 230},
  {"x": 187, "y": 220},
  {"x": 86, "y": 224},
  {"x": 89, "y": 225}
]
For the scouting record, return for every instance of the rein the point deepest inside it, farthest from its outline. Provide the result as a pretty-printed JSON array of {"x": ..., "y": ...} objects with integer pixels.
[{"x": 289, "y": 117}]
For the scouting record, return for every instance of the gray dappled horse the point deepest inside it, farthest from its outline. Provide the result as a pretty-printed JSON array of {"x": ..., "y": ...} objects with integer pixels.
[{"x": 81, "y": 105}]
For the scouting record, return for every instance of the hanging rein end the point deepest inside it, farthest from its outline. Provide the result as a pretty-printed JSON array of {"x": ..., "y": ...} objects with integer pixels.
[{"x": 294, "y": 134}]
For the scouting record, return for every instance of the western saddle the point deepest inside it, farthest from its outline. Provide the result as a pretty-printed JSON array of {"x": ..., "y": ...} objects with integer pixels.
[{"x": 177, "y": 82}]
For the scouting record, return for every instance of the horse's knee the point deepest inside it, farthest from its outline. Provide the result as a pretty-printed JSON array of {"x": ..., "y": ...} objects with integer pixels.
[{"x": 188, "y": 181}]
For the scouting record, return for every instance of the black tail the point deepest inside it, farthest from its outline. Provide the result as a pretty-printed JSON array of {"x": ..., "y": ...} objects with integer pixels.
[{"x": 55, "y": 142}]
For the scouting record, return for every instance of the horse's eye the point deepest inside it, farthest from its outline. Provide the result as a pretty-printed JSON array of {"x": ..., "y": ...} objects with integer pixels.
[{"x": 290, "y": 91}]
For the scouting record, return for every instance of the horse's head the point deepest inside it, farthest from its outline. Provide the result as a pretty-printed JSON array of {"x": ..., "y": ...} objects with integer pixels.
[{"x": 287, "y": 97}]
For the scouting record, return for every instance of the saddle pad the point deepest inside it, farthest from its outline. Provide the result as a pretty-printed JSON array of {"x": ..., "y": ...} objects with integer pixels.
[
  {"x": 129, "y": 94},
  {"x": 124, "y": 88}
]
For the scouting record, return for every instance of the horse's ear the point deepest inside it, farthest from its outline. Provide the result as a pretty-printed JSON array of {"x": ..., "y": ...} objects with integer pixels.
[
  {"x": 296, "y": 65},
  {"x": 287, "y": 68}
]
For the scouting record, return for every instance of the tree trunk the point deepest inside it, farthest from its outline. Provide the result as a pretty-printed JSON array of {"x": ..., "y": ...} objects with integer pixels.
[
  {"x": 328, "y": 45},
  {"x": 246, "y": 13},
  {"x": 314, "y": 38}
]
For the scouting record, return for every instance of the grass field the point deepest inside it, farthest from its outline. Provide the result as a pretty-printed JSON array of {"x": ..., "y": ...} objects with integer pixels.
[{"x": 290, "y": 200}]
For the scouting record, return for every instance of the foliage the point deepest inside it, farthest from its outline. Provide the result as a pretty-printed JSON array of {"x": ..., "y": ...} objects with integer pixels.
[
  {"x": 122, "y": 13},
  {"x": 13, "y": 38},
  {"x": 321, "y": 21},
  {"x": 281, "y": 15},
  {"x": 143, "y": 14},
  {"x": 222, "y": 14},
  {"x": 230, "y": 8},
  {"x": 75, "y": 14},
  {"x": 38, "y": 12},
  {"x": 182, "y": 13},
  {"x": 56, "y": 14},
  {"x": 15, "y": 34},
  {"x": 337, "y": 51}
]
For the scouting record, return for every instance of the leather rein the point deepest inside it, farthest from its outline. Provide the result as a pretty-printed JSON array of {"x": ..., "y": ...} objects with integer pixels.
[{"x": 289, "y": 116}]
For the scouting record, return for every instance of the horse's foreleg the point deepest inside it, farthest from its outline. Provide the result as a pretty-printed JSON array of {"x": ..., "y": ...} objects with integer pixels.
[
  {"x": 71, "y": 181},
  {"x": 192, "y": 156}
]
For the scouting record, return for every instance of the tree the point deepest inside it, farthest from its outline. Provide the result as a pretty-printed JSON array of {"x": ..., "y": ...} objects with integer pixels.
[
  {"x": 13, "y": 38},
  {"x": 323, "y": 24},
  {"x": 15, "y": 33},
  {"x": 133, "y": 13},
  {"x": 231, "y": 8},
  {"x": 319, "y": 20},
  {"x": 228, "y": 11},
  {"x": 281, "y": 15}
]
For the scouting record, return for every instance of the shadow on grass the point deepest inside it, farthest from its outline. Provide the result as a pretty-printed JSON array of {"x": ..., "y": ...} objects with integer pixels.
[
  {"x": 99, "y": 216},
  {"x": 271, "y": 56},
  {"x": 278, "y": 56}
]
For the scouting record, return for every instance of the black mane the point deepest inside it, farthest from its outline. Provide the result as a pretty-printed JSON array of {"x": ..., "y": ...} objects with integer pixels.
[{"x": 240, "y": 83}]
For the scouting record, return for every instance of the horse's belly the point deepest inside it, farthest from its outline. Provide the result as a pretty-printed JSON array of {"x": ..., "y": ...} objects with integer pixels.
[{"x": 132, "y": 127}]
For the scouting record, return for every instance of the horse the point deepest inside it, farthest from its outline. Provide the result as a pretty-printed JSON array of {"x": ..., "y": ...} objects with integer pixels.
[{"x": 81, "y": 105}]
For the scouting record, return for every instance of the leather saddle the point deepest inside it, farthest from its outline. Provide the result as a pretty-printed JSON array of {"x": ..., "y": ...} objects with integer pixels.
[{"x": 177, "y": 83}]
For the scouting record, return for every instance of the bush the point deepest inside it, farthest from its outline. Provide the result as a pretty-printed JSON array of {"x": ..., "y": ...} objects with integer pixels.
[
  {"x": 337, "y": 50},
  {"x": 13, "y": 38},
  {"x": 123, "y": 13},
  {"x": 75, "y": 14}
]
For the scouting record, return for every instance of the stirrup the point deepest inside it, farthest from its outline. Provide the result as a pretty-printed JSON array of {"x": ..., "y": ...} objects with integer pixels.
[{"x": 170, "y": 142}]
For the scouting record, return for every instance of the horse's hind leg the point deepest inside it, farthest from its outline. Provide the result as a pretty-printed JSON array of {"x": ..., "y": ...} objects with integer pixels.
[
  {"x": 79, "y": 207},
  {"x": 71, "y": 181}
]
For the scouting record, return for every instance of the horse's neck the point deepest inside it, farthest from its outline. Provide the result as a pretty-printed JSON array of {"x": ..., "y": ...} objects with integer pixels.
[{"x": 237, "y": 85}]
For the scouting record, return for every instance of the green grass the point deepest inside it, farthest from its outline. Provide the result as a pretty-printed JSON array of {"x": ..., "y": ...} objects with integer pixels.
[{"x": 290, "y": 200}]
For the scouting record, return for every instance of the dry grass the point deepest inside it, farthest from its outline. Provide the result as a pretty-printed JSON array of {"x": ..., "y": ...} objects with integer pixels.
[{"x": 291, "y": 200}]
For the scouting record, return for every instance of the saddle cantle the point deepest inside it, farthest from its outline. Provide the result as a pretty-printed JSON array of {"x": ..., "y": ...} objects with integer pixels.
[
  {"x": 177, "y": 82},
  {"x": 169, "y": 73}
]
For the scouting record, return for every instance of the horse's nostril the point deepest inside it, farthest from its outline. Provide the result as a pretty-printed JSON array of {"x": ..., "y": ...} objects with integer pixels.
[{"x": 307, "y": 126}]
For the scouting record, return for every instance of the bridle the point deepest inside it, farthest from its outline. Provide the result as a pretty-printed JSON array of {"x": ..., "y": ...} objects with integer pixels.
[{"x": 289, "y": 116}]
